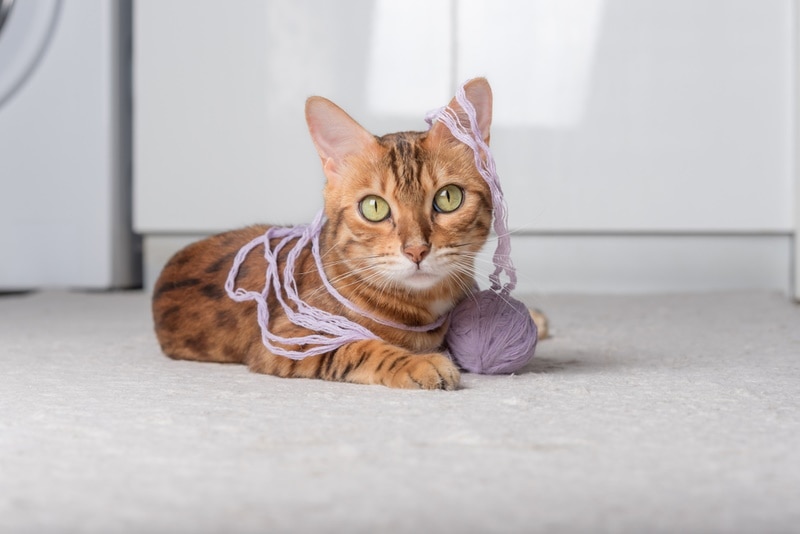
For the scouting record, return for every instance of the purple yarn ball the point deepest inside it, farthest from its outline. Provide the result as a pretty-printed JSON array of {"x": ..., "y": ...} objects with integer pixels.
[{"x": 491, "y": 334}]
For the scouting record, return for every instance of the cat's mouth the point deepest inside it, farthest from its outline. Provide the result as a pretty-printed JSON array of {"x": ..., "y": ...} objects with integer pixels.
[{"x": 420, "y": 277}]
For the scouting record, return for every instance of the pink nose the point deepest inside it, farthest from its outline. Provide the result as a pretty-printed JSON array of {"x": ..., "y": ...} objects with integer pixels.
[{"x": 416, "y": 253}]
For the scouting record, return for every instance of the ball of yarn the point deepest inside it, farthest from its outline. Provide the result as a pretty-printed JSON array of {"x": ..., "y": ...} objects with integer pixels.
[{"x": 491, "y": 334}]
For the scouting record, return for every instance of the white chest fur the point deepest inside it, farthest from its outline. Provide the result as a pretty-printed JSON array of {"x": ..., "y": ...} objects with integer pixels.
[{"x": 439, "y": 307}]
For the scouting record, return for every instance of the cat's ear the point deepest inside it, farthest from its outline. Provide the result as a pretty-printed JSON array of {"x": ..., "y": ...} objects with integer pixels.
[
  {"x": 335, "y": 134},
  {"x": 479, "y": 94}
]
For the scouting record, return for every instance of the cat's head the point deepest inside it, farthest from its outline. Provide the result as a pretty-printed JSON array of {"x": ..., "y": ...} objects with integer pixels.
[{"x": 407, "y": 210}]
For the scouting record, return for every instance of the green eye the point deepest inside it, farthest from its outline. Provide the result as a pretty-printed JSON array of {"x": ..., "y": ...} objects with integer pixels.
[
  {"x": 448, "y": 198},
  {"x": 374, "y": 208}
]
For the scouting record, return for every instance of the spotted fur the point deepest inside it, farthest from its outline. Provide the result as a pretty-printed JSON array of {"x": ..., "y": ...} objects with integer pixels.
[{"x": 410, "y": 268}]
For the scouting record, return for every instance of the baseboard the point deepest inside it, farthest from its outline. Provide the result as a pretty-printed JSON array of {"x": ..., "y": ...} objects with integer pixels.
[
  {"x": 622, "y": 264},
  {"x": 652, "y": 263}
]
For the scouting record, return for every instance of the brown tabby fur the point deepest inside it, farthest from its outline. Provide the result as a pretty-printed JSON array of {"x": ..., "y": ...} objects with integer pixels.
[{"x": 195, "y": 319}]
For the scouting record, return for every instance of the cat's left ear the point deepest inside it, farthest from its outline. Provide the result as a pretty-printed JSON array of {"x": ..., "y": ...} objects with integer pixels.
[
  {"x": 479, "y": 94},
  {"x": 335, "y": 134}
]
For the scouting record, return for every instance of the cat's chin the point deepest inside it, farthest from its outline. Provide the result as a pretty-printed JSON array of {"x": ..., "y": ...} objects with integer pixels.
[{"x": 421, "y": 281}]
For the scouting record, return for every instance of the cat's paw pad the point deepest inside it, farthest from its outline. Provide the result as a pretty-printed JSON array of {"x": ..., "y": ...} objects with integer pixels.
[{"x": 427, "y": 371}]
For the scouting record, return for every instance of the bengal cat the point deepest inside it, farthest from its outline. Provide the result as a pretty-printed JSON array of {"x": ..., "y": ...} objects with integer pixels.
[{"x": 406, "y": 214}]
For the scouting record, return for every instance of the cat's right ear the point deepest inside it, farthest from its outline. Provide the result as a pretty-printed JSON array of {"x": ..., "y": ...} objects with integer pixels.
[
  {"x": 479, "y": 93},
  {"x": 335, "y": 134}
]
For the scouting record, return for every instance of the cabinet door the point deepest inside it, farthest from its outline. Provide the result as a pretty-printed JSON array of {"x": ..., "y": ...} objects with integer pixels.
[
  {"x": 221, "y": 139},
  {"x": 638, "y": 115},
  {"x": 615, "y": 115}
]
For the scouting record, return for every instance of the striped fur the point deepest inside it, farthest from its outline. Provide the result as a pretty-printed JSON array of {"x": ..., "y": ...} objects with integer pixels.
[{"x": 368, "y": 262}]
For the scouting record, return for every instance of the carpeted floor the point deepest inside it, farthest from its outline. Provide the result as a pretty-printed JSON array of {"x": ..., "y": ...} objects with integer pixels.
[{"x": 642, "y": 414}]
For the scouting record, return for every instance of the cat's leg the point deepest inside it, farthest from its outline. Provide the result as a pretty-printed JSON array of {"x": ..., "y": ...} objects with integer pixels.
[{"x": 367, "y": 362}]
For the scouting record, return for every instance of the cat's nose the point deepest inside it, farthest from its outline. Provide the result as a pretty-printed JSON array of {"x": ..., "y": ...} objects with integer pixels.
[{"x": 416, "y": 253}]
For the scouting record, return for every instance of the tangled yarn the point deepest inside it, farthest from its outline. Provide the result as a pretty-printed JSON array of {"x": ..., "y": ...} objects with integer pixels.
[{"x": 489, "y": 332}]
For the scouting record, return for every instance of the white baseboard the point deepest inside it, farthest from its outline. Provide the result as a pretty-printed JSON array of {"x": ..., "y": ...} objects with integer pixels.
[
  {"x": 621, "y": 264},
  {"x": 652, "y": 263}
]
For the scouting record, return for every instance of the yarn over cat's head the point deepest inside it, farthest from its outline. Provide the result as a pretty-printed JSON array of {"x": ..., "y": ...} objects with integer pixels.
[{"x": 490, "y": 331}]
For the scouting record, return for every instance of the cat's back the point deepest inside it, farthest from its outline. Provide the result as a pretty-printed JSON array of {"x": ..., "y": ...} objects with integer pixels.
[{"x": 191, "y": 312}]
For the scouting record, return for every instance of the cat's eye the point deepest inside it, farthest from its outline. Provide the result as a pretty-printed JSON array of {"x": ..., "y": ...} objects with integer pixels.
[
  {"x": 448, "y": 198},
  {"x": 374, "y": 208}
]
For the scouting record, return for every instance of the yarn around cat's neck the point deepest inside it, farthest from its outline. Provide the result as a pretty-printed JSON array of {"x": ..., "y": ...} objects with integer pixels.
[{"x": 336, "y": 330}]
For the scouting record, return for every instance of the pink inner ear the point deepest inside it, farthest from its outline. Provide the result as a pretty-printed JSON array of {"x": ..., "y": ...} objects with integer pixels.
[
  {"x": 329, "y": 168},
  {"x": 335, "y": 134},
  {"x": 479, "y": 93}
]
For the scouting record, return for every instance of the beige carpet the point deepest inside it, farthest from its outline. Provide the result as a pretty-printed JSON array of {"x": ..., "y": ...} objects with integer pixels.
[{"x": 642, "y": 414}]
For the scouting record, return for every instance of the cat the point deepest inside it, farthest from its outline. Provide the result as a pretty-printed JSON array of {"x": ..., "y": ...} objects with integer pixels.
[{"x": 406, "y": 214}]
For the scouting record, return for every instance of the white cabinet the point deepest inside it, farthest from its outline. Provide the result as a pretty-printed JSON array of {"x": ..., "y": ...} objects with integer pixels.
[
  {"x": 221, "y": 138},
  {"x": 658, "y": 131},
  {"x": 65, "y": 216},
  {"x": 655, "y": 115}
]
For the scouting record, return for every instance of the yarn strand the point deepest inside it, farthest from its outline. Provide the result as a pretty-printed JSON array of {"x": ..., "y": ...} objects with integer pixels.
[
  {"x": 471, "y": 135},
  {"x": 334, "y": 331}
]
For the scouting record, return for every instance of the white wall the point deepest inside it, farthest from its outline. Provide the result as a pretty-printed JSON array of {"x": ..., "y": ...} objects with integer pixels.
[{"x": 643, "y": 145}]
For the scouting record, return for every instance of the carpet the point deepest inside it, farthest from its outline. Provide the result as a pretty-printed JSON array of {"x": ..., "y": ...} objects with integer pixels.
[{"x": 667, "y": 413}]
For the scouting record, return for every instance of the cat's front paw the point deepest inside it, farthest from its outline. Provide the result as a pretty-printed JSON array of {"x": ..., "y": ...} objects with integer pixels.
[{"x": 425, "y": 371}]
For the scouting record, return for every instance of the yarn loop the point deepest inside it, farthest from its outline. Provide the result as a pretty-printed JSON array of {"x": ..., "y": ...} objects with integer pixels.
[{"x": 490, "y": 332}]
